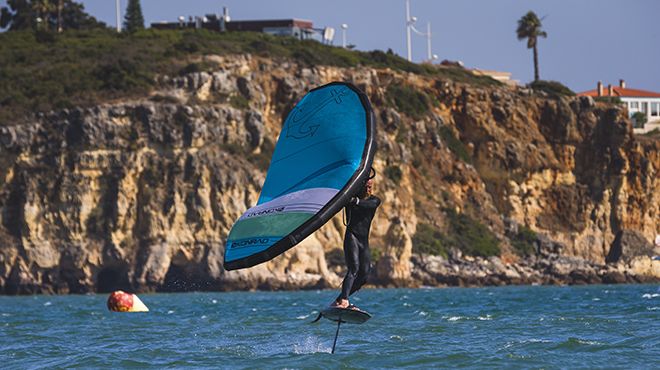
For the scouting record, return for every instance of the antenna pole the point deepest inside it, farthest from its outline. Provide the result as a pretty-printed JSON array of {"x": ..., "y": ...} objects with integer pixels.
[{"x": 336, "y": 335}]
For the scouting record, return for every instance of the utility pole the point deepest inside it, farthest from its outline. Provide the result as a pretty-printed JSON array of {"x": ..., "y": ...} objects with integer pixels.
[{"x": 118, "y": 12}]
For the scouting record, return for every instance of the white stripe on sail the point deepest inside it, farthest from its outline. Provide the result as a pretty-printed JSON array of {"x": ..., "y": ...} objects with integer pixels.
[{"x": 308, "y": 200}]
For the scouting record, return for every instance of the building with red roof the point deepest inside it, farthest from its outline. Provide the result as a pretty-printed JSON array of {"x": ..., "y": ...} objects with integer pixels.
[{"x": 647, "y": 102}]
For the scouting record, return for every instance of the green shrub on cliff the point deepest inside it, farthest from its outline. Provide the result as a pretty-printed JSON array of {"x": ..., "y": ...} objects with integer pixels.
[
  {"x": 463, "y": 232},
  {"x": 471, "y": 236},
  {"x": 238, "y": 101},
  {"x": 429, "y": 240},
  {"x": 639, "y": 119},
  {"x": 608, "y": 99},
  {"x": 454, "y": 144},
  {"x": 394, "y": 173},
  {"x": 553, "y": 88},
  {"x": 524, "y": 241},
  {"x": 408, "y": 100}
]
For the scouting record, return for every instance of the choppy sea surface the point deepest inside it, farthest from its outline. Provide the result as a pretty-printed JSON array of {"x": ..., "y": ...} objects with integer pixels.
[{"x": 505, "y": 327}]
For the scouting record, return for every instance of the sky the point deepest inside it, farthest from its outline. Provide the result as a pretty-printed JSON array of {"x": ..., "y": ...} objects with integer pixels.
[{"x": 588, "y": 40}]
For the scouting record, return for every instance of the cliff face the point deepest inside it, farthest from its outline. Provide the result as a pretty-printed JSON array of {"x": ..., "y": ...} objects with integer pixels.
[{"x": 141, "y": 194}]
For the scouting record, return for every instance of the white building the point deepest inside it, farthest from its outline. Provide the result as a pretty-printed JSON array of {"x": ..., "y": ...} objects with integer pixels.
[
  {"x": 503, "y": 77},
  {"x": 635, "y": 100}
]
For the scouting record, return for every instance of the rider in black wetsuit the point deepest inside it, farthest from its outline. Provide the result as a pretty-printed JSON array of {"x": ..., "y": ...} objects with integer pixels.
[{"x": 360, "y": 212}]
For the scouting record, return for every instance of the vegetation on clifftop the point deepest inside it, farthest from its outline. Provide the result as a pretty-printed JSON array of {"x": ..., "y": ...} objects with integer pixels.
[
  {"x": 79, "y": 68},
  {"x": 554, "y": 89}
]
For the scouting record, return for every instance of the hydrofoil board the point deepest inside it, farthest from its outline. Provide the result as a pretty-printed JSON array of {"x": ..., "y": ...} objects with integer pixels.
[{"x": 347, "y": 315}]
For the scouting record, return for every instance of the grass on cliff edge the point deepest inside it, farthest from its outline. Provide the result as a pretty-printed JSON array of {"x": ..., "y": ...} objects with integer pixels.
[{"x": 41, "y": 72}]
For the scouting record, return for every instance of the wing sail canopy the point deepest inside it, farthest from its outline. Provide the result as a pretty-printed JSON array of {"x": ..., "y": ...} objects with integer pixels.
[{"x": 322, "y": 157}]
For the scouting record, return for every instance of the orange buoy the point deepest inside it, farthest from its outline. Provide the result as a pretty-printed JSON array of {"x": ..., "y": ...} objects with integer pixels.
[{"x": 120, "y": 301}]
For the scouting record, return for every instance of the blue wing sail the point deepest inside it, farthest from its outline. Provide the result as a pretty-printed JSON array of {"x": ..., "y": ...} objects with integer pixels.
[{"x": 322, "y": 157}]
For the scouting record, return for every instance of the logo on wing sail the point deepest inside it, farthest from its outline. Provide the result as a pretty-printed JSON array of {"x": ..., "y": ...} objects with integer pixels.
[{"x": 301, "y": 123}]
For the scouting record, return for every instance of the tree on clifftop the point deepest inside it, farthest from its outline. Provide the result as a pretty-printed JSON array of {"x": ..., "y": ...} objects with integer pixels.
[
  {"x": 529, "y": 27},
  {"x": 17, "y": 15},
  {"x": 133, "y": 20},
  {"x": 46, "y": 15}
]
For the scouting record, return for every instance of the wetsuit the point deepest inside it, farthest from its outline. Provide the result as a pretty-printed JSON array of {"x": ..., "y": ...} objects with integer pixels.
[{"x": 359, "y": 213}]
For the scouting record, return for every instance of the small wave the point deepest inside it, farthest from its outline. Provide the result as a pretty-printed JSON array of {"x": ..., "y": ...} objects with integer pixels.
[
  {"x": 488, "y": 317},
  {"x": 587, "y": 342},
  {"x": 396, "y": 337},
  {"x": 423, "y": 313},
  {"x": 649, "y": 296},
  {"x": 170, "y": 312},
  {"x": 203, "y": 317},
  {"x": 49, "y": 303},
  {"x": 525, "y": 341},
  {"x": 595, "y": 299},
  {"x": 406, "y": 304},
  {"x": 214, "y": 301},
  {"x": 302, "y": 317},
  {"x": 574, "y": 342},
  {"x": 534, "y": 340},
  {"x": 653, "y": 308}
]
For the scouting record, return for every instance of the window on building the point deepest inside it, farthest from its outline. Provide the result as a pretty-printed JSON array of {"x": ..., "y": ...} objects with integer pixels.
[
  {"x": 634, "y": 105},
  {"x": 645, "y": 107},
  {"x": 655, "y": 109}
]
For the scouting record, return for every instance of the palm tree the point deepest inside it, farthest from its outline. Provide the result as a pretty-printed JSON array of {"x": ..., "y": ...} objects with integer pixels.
[{"x": 529, "y": 27}]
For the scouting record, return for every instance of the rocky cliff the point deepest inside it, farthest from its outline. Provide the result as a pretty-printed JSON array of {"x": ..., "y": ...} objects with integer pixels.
[{"x": 140, "y": 194}]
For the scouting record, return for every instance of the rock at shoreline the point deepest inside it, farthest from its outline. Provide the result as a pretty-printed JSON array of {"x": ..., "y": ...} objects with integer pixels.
[
  {"x": 550, "y": 269},
  {"x": 628, "y": 245}
]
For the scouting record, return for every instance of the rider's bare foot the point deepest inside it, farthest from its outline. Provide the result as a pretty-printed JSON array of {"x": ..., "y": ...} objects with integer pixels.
[{"x": 340, "y": 303}]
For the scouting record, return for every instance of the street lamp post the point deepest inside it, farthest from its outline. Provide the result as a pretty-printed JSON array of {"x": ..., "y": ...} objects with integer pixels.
[
  {"x": 408, "y": 24},
  {"x": 118, "y": 11},
  {"x": 428, "y": 44},
  {"x": 344, "y": 27},
  {"x": 410, "y": 27}
]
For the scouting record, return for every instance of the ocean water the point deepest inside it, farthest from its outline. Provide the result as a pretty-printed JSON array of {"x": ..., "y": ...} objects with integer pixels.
[{"x": 505, "y": 327}]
